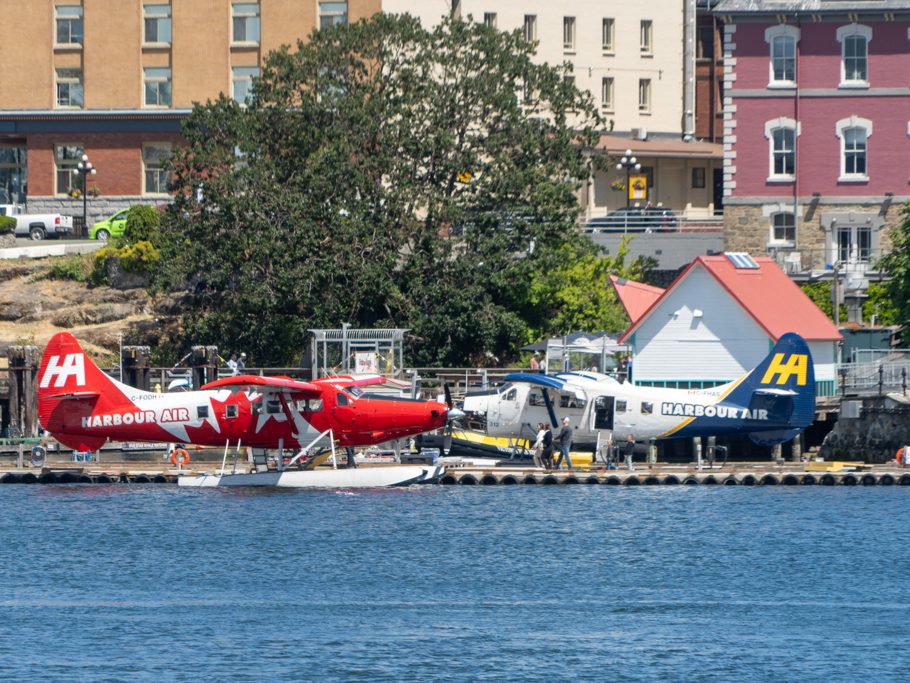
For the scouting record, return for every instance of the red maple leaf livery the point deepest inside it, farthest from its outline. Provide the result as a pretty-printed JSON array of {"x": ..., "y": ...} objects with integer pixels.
[{"x": 82, "y": 408}]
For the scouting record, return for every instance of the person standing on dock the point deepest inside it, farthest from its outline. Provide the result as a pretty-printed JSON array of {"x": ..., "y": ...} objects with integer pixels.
[
  {"x": 241, "y": 364},
  {"x": 538, "y": 445},
  {"x": 564, "y": 441},
  {"x": 535, "y": 364},
  {"x": 547, "y": 443},
  {"x": 628, "y": 448},
  {"x": 543, "y": 365},
  {"x": 232, "y": 364}
]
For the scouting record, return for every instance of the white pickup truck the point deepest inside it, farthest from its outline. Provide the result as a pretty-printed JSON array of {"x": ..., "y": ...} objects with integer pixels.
[{"x": 37, "y": 226}]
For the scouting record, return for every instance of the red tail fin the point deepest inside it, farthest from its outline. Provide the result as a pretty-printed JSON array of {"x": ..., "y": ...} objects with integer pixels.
[{"x": 70, "y": 387}]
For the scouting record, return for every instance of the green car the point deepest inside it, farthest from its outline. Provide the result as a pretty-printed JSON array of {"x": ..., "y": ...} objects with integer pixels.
[{"x": 113, "y": 226}]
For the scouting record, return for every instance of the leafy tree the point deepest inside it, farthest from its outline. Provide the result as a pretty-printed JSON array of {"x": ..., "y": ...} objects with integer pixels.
[
  {"x": 382, "y": 175},
  {"x": 897, "y": 264},
  {"x": 142, "y": 224}
]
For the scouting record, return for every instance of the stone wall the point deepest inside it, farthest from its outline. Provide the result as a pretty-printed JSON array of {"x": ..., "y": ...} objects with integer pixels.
[
  {"x": 98, "y": 208},
  {"x": 882, "y": 427}
]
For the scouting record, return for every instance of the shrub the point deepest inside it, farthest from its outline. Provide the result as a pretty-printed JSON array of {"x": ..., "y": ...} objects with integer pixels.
[
  {"x": 77, "y": 267},
  {"x": 142, "y": 223},
  {"x": 141, "y": 257},
  {"x": 7, "y": 224}
]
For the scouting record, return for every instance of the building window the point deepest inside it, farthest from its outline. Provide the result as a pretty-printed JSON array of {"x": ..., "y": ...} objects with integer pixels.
[
  {"x": 783, "y": 152},
  {"x": 66, "y": 159},
  {"x": 332, "y": 14},
  {"x": 644, "y": 95},
  {"x": 157, "y": 23},
  {"x": 69, "y": 24},
  {"x": 531, "y": 27},
  {"x": 157, "y": 87},
  {"x": 698, "y": 177},
  {"x": 606, "y": 94},
  {"x": 854, "y": 40},
  {"x": 489, "y": 19},
  {"x": 13, "y": 174},
  {"x": 782, "y": 40},
  {"x": 783, "y": 227},
  {"x": 647, "y": 46},
  {"x": 245, "y": 21},
  {"x": 242, "y": 82},
  {"x": 607, "y": 35},
  {"x": 854, "y": 134},
  {"x": 854, "y": 244},
  {"x": 157, "y": 178},
  {"x": 568, "y": 33},
  {"x": 69, "y": 88}
]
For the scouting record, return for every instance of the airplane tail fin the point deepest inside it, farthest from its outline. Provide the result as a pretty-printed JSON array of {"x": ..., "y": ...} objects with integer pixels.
[
  {"x": 70, "y": 387},
  {"x": 783, "y": 384}
]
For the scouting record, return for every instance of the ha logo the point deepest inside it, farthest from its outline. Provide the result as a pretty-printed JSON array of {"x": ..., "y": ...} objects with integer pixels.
[{"x": 73, "y": 366}]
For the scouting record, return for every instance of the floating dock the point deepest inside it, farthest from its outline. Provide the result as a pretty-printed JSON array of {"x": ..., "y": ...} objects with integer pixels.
[{"x": 756, "y": 475}]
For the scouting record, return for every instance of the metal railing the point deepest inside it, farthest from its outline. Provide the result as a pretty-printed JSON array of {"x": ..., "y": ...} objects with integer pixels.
[
  {"x": 887, "y": 375},
  {"x": 656, "y": 220}
]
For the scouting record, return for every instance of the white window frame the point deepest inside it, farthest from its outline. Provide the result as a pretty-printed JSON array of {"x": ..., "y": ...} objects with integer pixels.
[
  {"x": 67, "y": 166},
  {"x": 150, "y": 76},
  {"x": 243, "y": 74},
  {"x": 568, "y": 34},
  {"x": 70, "y": 81},
  {"x": 607, "y": 95},
  {"x": 156, "y": 12},
  {"x": 852, "y": 31},
  {"x": 855, "y": 252},
  {"x": 840, "y": 129},
  {"x": 489, "y": 19},
  {"x": 781, "y": 123},
  {"x": 248, "y": 15},
  {"x": 608, "y": 35},
  {"x": 781, "y": 31},
  {"x": 530, "y": 28},
  {"x": 646, "y": 38},
  {"x": 161, "y": 175},
  {"x": 70, "y": 14},
  {"x": 644, "y": 96},
  {"x": 331, "y": 11}
]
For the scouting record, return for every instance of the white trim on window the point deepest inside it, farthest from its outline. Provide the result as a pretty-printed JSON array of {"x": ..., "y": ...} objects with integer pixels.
[
  {"x": 68, "y": 26},
  {"x": 781, "y": 123},
  {"x": 568, "y": 34},
  {"x": 779, "y": 38},
  {"x": 606, "y": 94},
  {"x": 861, "y": 64},
  {"x": 530, "y": 28},
  {"x": 68, "y": 89},
  {"x": 156, "y": 24},
  {"x": 155, "y": 178},
  {"x": 608, "y": 35},
  {"x": 841, "y": 128},
  {"x": 245, "y": 23},
  {"x": 646, "y": 38}
]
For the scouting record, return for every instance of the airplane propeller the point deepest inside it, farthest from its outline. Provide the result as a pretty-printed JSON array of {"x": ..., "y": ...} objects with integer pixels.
[{"x": 452, "y": 415}]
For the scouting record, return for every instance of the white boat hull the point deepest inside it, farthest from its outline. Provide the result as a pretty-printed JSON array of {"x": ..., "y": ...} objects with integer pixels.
[{"x": 361, "y": 477}]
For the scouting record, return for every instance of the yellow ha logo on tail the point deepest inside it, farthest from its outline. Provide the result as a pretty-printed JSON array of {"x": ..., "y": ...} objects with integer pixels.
[{"x": 797, "y": 364}]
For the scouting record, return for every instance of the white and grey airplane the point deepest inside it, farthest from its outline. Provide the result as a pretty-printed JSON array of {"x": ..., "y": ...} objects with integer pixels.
[{"x": 771, "y": 404}]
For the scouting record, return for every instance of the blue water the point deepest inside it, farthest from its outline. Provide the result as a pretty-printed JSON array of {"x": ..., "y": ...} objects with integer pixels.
[{"x": 155, "y": 583}]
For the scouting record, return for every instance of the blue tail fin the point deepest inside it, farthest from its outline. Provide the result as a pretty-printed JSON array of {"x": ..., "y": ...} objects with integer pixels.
[{"x": 783, "y": 384}]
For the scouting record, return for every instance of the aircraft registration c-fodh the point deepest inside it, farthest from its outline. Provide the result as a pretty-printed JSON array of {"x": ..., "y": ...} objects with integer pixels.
[
  {"x": 82, "y": 408},
  {"x": 771, "y": 404}
]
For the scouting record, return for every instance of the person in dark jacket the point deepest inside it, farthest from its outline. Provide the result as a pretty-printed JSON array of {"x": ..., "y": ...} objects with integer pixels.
[
  {"x": 547, "y": 454},
  {"x": 564, "y": 441},
  {"x": 628, "y": 448}
]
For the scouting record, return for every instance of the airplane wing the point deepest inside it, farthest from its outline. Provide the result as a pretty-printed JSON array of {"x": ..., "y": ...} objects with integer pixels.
[
  {"x": 351, "y": 381},
  {"x": 284, "y": 383},
  {"x": 548, "y": 381}
]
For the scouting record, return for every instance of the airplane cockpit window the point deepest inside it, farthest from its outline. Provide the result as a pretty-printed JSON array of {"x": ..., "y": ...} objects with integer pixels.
[
  {"x": 505, "y": 387},
  {"x": 647, "y": 408},
  {"x": 256, "y": 408},
  {"x": 202, "y": 411},
  {"x": 356, "y": 392},
  {"x": 342, "y": 400},
  {"x": 510, "y": 395},
  {"x": 314, "y": 405},
  {"x": 571, "y": 401},
  {"x": 620, "y": 406},
  {"x": 535, "y": 398},
  {"x": 230, "y": 411}
]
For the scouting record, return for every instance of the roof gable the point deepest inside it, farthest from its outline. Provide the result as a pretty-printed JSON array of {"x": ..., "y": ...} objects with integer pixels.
[
  {"x": 635, "y": 297},
  {"x": 765, "y": 293}
]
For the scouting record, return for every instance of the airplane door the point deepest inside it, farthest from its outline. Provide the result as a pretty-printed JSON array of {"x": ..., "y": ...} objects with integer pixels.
[{"x": 603, "y": 412}]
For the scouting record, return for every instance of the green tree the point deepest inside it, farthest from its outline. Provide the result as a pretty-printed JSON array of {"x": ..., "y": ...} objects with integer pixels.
[
  {"x": 381, "y": 175},
  {"x": 142, "y": 224},
  {"x": 897, "y": 264}
]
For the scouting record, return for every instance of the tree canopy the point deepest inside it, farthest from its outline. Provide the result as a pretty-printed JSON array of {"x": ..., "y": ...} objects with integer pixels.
[
  {"x": 897, "y": 264},
  {"x": 386, "y": 175}
]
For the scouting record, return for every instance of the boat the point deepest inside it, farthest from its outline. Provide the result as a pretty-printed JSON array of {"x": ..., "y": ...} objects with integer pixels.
[{"x": 360, "y": 477}]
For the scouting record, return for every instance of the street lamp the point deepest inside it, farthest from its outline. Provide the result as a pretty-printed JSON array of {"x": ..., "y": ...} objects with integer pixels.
[
  {"x": 84, "y": 168},
  {"x": 628, "y": 162}
]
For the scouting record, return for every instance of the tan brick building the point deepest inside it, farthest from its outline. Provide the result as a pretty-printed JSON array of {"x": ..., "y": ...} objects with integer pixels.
[{"x": 114, "y": 80}]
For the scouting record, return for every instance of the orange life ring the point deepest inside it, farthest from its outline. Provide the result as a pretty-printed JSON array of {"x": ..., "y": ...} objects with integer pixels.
[{"x": 184, "y": 460}]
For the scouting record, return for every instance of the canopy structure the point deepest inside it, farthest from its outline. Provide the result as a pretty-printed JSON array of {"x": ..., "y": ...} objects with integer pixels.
[
  {"x": 345, "y": 351},
  {"x": 580, "y": 351}
]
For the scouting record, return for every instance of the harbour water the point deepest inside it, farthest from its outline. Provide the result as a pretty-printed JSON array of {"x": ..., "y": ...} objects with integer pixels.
[{"x": 505, "y": 583}]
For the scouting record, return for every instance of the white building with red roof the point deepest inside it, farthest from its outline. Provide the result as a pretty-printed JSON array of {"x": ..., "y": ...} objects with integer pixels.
[{"x": 720, "y": 318}]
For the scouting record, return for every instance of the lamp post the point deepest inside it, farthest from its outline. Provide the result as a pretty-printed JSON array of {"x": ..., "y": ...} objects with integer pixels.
[
  {"x": 628, "y": 162},
  {"x": 84, "y": 168}
]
